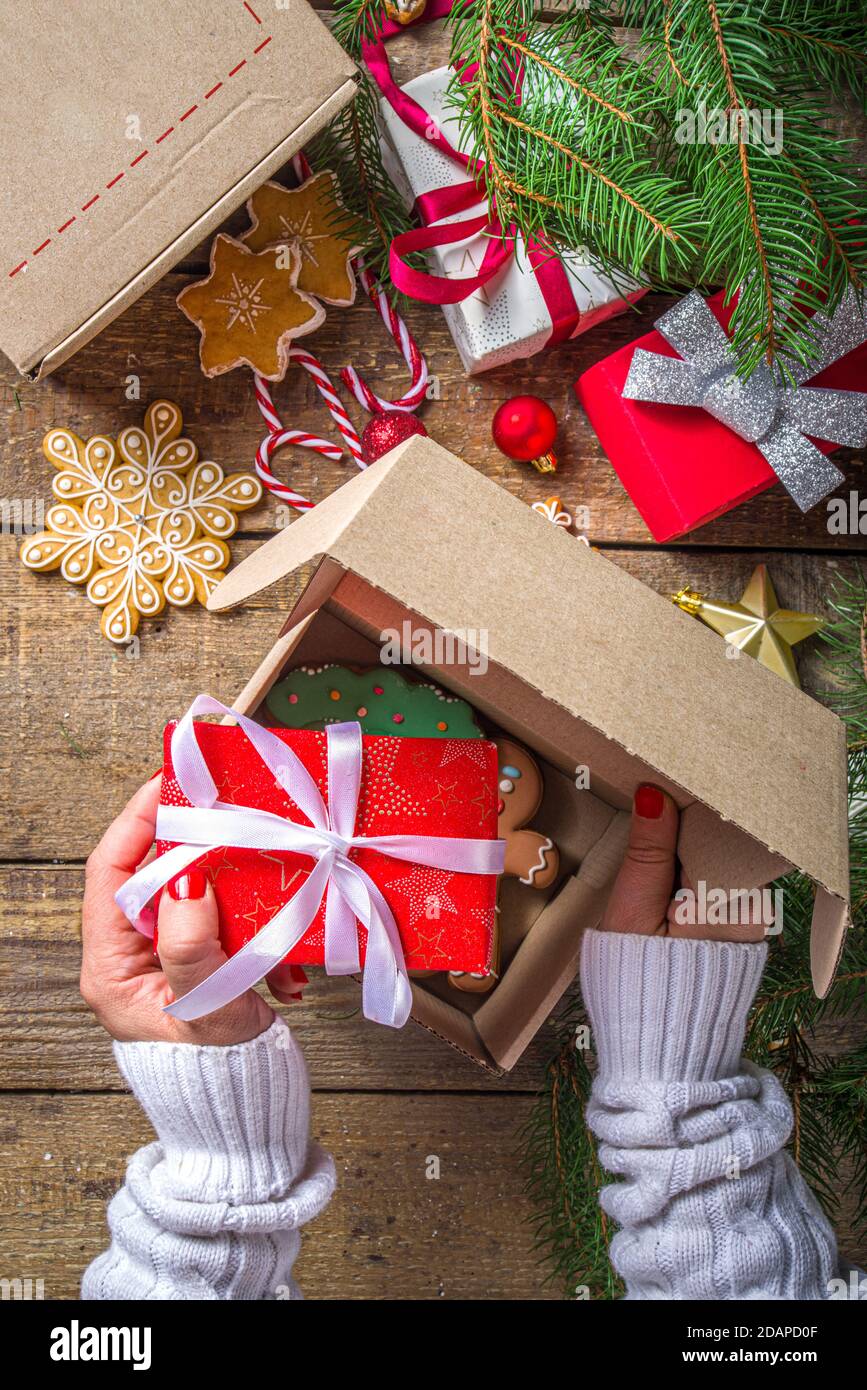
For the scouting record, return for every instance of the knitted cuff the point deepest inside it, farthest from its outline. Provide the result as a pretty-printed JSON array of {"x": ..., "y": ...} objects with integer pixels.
[
  {"x": 233, "y": 1121},
  {"x": 666, "y": 1009}
]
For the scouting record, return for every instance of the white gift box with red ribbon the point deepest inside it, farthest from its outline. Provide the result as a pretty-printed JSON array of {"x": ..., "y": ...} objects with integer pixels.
[{"x": 510, "y": 316}]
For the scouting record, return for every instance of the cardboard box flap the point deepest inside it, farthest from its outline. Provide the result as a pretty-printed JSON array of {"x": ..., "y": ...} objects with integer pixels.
[
  {"x": 316, "y": 533},
  {"x": 454, "y": 547},
  {"x": 125, "y": 124},
  {"x": 831, "y": 919}
]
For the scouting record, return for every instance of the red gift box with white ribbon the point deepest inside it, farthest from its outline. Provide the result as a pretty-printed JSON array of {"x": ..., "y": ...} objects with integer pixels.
[{"x": 349, "y": 850}]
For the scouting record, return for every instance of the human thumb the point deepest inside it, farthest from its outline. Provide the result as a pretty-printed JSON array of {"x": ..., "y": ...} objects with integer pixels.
[
  {"x": 188, "y": 924},
  {"x": 643, "y": 887}
]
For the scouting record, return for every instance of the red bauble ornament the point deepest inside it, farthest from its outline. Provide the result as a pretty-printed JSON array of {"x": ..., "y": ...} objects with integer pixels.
[
  {"x": 386, "y": 431},
  {"x": 524, "y": 429}
]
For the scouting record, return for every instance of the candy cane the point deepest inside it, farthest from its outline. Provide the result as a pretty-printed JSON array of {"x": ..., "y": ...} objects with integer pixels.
[
  {"x": 324, "y": 386},
  {"x": 276, "y": 439},
  {"x": 277, "y": 436},
  {"x": 412, "y": 356}
]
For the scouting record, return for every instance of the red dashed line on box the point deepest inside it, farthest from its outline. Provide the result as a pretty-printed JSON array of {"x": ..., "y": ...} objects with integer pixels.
[
  {"x": 250, "y": 9},
  {"x": 22, "y": 265}
]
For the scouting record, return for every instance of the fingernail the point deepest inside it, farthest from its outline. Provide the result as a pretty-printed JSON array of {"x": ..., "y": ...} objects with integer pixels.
[
  {"x": 155, "y": 775},
  {"x": 187, "y": 886},
  {"x": 299, "y": 974},
  {"x": 649, "y": 802}
]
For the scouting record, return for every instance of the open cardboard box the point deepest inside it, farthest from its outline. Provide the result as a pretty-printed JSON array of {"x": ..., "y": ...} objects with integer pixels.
[
  {"x": 128, "y": 132},
  {"x": 587, "y": 667}
]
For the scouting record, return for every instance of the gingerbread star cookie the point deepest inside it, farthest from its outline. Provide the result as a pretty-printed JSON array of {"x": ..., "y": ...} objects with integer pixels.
[
  {"x": 308, "y": 220},
  {"x": 248, "y": 310}
]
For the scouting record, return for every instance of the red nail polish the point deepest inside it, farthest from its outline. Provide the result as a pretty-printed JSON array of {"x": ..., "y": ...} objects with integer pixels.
[
  {"x": 649, "y": 802},
  {"x": 189, "y": 886},
  {"x": 299, "y": 974},
  {"x": 155, "y": 775}
]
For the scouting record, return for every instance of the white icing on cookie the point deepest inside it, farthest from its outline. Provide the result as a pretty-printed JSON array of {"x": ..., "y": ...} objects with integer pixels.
[{"x": 543, "y": 861}]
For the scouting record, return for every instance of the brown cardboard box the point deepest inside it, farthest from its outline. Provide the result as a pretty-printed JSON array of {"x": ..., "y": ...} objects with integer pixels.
[
  {"x": 588, "y": 667},
  {"x": 128, "y": 132}
]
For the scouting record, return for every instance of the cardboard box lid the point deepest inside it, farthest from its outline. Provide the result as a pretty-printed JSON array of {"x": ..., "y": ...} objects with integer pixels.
[
  {"x": 122, "y": 125},
  {"x": 454, "y": 547}
]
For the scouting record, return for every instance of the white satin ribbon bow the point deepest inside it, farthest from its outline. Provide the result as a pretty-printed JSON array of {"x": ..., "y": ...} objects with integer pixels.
[{"x": 349, "y": 892}]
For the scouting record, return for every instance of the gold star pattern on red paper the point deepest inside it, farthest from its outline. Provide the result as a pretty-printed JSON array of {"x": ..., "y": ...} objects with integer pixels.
[
  {"x": 445, "y": 796},
  {"x": 285, "y": 883},
  {"x": 221, "y": 865},
  {"x": 485, "y": 800},
  {"x": 260, "y": 914}
]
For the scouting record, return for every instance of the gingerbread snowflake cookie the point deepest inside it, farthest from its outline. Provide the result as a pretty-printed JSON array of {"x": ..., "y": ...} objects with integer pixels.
[
  {"x": 531, "y": 857},
  {"x": 248, "y": 309},
  {"x": 309, "y": 220},
  {"x": 141, "y": 521}
]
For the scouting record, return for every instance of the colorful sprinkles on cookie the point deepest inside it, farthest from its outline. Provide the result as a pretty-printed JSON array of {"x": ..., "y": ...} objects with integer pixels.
[{"x": 382, "y": 700}]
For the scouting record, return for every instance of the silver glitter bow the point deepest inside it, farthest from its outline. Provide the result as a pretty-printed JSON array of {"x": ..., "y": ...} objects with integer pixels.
[{"x": 775, "y": 418}]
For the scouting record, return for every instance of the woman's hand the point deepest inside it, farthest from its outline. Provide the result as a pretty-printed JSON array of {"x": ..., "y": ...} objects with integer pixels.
[
  {"x": 122, "y": 980},
  {"x": 641, "y": 900}
]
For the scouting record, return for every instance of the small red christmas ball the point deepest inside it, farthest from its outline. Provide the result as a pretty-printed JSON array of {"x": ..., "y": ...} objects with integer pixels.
[
  {"x": 386, "y": 431},
  {"x": 524, "y": 429}
]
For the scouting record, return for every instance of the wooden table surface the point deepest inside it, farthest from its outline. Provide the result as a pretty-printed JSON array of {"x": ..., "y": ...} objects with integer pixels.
[{"x": 83, "y": 723}]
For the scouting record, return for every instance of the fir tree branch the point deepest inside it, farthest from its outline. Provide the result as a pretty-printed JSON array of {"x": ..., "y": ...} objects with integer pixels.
[
  {"x": 743, "y": 157},
  {"x": 515, "y": 46},
  {"x": 828, "y": 1093},
  {"x": 668, "y": 49}
]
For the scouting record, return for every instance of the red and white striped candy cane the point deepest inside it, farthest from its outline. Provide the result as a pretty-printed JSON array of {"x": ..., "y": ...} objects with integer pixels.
[
  {"x": 276, "y": 439},
  {"x": 277, "y": 436},
  {"x": 336, "y": 409},
  {"x": 412, "y": 356}
]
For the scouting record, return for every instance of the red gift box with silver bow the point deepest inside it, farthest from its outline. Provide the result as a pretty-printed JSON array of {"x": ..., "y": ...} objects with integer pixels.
[{"x": 376, "y": 839}]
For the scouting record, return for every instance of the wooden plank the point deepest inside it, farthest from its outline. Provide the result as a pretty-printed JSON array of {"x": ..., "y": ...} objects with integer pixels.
[
  {"x": 389, "y": 1232},
  {"x": 49, "y": 1040},
  {"x": 88, "y": 718},
  {"x": 153, "y": 342}
]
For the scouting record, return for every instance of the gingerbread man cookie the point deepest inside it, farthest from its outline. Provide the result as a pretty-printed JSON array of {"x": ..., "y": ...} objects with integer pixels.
[{"x": 530, "y": 857}]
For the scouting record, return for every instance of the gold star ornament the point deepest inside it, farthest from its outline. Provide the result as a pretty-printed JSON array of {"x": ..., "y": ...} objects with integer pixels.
[{"x": 756, "y": 624}]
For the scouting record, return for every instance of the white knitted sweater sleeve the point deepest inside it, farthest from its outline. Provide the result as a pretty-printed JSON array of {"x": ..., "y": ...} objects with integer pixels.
[
  {"x": 212, "y": 1209},
  {"x": 709, "y": 1205}
]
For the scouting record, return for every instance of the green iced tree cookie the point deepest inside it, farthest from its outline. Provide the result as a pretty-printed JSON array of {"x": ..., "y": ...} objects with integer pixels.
[{"x": 381, "y": 699}]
